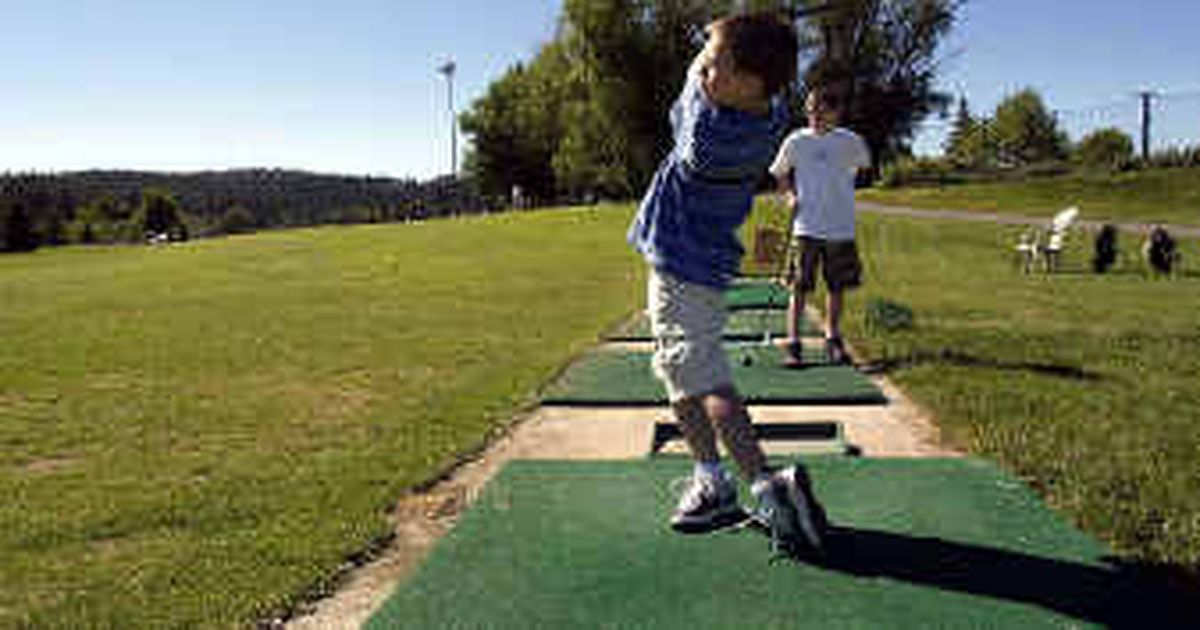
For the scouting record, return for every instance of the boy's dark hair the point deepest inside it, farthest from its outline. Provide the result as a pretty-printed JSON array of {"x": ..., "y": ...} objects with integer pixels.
[
  {"x": 828, "y": 96},
  {"x": 762, "y": 44}
]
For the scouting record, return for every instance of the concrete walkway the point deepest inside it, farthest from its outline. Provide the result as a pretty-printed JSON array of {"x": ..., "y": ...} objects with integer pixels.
[
  {"x": 1191, "y": 231},
  {"x": 897, "y": 429}
]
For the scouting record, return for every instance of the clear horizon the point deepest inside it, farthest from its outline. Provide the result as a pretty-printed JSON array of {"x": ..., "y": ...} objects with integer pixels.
[{"x": 354, "y": 89}]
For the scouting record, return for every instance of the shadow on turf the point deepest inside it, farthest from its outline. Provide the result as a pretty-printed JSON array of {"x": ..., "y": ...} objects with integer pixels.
[
  {"x": 962, "y": 359},
  {"x": 1119, "y": 595}
]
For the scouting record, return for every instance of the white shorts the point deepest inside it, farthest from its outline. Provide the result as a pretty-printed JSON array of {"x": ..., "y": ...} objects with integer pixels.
[{"x": 686, "y": 320}]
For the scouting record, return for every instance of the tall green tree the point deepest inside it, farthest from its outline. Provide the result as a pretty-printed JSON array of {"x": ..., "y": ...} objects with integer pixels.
[
  {"x": 159, "y": 212},
  {"x": 18, "y": 235},
  {"x": 590, "y": 113},
  {"x": 970, "y": 143},
  {"x": 1026, "y": 131},
  {"x": 963, "y": 125},
  {"x": 1108, "y": 148},
  {"x": 632, "y": 57},
  {"x": 516, "y": 127},
  {"x": 882, "y": 56}
]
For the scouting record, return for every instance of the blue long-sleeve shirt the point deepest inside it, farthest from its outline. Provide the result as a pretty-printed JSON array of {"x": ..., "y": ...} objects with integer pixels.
[{"x": 703, "y": 190}]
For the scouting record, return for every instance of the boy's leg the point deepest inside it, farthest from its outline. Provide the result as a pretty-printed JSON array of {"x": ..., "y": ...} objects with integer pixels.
[
  {"x": 687, "y": 320},
  {"x": 842, "y": 271},
  {"x": 785, "y": 497},
  {"x": 728, "y": 414},
  {"x": 697, "y": 430},
  {"x": 833, "y": 313},
  {"x": 710, "y": 499},
  {"x": 802, "y": 280},
  {"x": 795, "y": 314}
]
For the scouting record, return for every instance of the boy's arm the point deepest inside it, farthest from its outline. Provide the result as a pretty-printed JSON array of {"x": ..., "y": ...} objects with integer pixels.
[
  {"x": 784, "y": 172},
  {"x": 784, "y": 187},
  {"x": 862, "y": 154}
]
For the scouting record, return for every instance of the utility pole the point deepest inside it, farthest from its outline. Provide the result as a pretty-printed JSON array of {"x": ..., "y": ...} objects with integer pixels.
[
  {"x": 448, "y": 69},
  {"x": 1146, "y": 97}
]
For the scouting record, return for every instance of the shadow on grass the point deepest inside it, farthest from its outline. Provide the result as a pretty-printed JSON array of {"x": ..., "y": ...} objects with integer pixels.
[
  {"x": 962, "y": 359},
  {"x": 1116, "y": 595}
]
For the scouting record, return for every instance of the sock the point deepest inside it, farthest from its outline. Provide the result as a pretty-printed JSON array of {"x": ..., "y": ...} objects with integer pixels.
[
  {"x": 761, "y": 483},
  {"x": 708, "y": 470}
]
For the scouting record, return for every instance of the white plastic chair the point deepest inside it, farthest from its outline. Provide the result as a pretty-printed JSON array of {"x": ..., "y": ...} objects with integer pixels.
[
  {"x": 1031, "y": 247},
  {"x": 1058, "y": 233}
]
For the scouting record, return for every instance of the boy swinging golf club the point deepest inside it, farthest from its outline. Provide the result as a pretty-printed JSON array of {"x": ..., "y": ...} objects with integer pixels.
[{"x": 726, "y": 123}]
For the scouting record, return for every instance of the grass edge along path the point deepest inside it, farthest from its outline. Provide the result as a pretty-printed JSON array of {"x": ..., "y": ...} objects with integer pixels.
[
  {"x": 230, "y": 420},
  {"x": 1141, "y": 197}
]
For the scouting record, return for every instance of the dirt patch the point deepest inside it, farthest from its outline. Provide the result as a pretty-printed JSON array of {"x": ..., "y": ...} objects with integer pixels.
[{"x": 47, "y": 465}]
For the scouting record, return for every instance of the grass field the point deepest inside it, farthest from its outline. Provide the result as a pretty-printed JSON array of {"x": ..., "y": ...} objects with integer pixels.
[
  {"x": 1153, "y": 196},
  {"x": 1084, "y": 385},
  {"x": 196, "y": 435}
]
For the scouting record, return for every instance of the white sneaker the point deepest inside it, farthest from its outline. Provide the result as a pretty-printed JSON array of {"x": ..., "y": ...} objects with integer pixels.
[
  {"x": 788, "y": 507},
  {"x": 709, "y": 502}
]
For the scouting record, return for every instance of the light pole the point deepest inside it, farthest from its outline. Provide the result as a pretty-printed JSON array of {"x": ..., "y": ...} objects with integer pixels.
[{"x": 448, "y": 70}]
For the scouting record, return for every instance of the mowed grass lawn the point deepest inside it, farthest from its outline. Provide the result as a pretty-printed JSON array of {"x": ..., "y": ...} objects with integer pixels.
[
  {"x": 1152, "y": 196},
  {"x": 197, "y": 435},
  {"x": 1087, "y": 386}
]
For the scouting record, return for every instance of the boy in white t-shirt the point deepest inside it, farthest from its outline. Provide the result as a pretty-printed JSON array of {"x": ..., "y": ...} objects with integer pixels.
[{"x": 815, "y": 170}]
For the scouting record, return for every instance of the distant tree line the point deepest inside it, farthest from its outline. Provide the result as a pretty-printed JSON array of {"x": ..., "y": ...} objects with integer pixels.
[
  {"x": 129, "y": 206},
  {"x": 1022, "y": 138},
  {"x": 587, "y": 116}
]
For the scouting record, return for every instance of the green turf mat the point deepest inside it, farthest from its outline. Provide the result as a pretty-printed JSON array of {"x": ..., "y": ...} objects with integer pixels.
[
  {"x": 950, "y": 543},
  {"x": 607, "y": 377},
  {"x": 756, "y": 294},
  {"x": 743, "y": 325}
]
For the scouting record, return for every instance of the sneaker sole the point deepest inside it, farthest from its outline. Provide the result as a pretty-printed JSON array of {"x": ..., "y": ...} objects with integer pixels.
[
  {"x": 803, "y": 503},
  {"x": 713, "y": 522}
]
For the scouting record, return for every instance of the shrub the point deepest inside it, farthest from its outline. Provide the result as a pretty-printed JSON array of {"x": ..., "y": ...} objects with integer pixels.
[
  {"x": 236, "y": 220},
  {"x": 883, "y": 315},
  {"x": 1047, "y": 168},
  {"x": 1176, "y": 157},
  {"x": 1110, "y": 149},
  {"x": 919, "y": 171},
  {"x": 17, "y": 232}
]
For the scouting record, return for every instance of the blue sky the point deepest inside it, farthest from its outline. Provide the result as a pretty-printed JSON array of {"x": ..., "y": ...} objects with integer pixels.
[
  {"x": 351, "y": 86},
  {"x": 1088, "y": 59}
]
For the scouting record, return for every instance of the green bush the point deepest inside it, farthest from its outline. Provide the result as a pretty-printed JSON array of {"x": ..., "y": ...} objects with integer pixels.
[
  {"x": 1110, "y": 149},
  {"x": 919, "y": 171},
  {"x": 1176, "y": 157},
  {"x": 236, "y": 220},
  {"x": 1046, "y": 168},
  {"x": 883, "y": 315}
]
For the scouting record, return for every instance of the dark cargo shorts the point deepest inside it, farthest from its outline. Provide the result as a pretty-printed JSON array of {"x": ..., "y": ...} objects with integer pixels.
[{"x": 837, "y": 260}]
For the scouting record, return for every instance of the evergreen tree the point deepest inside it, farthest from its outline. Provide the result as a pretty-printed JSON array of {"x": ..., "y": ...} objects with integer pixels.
[{"x": 19, "y": 235}]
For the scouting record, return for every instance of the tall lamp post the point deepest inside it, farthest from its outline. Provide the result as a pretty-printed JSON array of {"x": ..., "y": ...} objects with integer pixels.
[{"x": 448, "y": 70}]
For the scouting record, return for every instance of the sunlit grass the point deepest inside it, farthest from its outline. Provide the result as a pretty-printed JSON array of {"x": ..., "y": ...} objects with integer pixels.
[
  {"x": 195, "y": 435},
  {"x": 1083, "y": 384}
]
